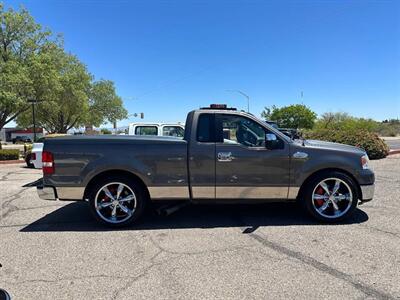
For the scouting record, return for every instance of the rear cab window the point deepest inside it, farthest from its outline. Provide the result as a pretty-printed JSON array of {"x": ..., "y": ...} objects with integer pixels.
[
  {"x": 175, "y": 131},
  {"x": 206, "y": 128}
]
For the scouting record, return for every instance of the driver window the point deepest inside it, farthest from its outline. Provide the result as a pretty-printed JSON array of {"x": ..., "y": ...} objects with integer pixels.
[{"x": 241, "y": 130}]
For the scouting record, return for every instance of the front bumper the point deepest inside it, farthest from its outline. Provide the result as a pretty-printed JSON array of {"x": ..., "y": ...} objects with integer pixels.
[{"x": 367, "y": 192}]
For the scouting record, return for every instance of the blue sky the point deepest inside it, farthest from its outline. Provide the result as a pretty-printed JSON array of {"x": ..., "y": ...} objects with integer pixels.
[{"x": 168, "y": 57}]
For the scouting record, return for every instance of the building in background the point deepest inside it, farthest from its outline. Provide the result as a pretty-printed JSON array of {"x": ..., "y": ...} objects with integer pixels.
[{"x": 7, "y": 134}]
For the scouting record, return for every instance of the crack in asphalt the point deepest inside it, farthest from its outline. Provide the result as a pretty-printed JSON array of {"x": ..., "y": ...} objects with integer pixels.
[
  {"x": 307, "y": 260},
  {"x": 5, "y": 176},
  {"x": 7, "y": 204},
  {"x": 178, "y": 254},
  {"x": 395, "y": 234},
  {"x": 132, "y": 279},
  {"x": 71, "y": 278},
  {"x": 145, "y": 272}
]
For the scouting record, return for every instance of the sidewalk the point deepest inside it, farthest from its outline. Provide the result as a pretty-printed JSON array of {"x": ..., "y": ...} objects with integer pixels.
[{"x": 393, "y": 142}]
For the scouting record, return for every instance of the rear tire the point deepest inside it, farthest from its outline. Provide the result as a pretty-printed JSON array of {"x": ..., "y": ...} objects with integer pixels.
[
  {"x": 331, "y": 197},
  {"x": 29, "y": 164},
  {"x": 117, "y": 201}
]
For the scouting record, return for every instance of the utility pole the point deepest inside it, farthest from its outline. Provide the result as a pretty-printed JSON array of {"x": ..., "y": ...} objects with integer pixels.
[{"x": 244, "y": 95}]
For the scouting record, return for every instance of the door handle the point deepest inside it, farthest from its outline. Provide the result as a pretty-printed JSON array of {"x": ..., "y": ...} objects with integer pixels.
[{"x": 225, "y": 156}]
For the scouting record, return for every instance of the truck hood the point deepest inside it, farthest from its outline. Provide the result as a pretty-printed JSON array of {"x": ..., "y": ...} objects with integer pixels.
[{"x": 333, "y": 146}]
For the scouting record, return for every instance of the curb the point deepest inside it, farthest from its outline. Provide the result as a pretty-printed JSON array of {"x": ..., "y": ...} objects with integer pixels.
[
  {"x": 7, "y": 162},
  {"x": 396, "y": 151}
]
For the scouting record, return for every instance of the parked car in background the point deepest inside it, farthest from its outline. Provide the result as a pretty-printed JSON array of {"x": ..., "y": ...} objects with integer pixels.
[
  {"x": 33, "y": 158},
  {"x": 294, "y": 134},
  {"x": 157, "y": 129},
  {"x": 21, "y": 139},
  {"x": 225, "y": 156}
]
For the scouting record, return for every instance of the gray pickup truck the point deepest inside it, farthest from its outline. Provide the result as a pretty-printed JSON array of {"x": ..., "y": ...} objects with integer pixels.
[{"x": 225, "y": 156}]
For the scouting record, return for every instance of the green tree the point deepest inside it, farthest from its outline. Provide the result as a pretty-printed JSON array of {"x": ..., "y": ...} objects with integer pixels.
[
  {"x": 23, "y": 72},
  {"x": 65, "y": 105},
  {"x": 292, "y": 116},
  {"x": 104, "y": 104},
  {"x": 75, "y": 99},
  {"x": 34, "y": 65}
]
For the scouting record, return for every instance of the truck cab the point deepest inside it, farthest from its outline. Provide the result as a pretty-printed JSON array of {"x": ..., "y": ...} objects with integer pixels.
[{"x": 242, "y": 157}]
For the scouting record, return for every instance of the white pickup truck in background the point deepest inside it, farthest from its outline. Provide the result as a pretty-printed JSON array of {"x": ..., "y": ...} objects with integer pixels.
[{"x": 157, "y": 129}]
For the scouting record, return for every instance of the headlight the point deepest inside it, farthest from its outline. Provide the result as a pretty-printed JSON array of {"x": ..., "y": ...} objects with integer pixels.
[{"x": 365, "y": 162}]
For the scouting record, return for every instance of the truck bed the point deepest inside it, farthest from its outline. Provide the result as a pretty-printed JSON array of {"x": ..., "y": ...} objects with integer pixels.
[{"x": 159, "y": 162}]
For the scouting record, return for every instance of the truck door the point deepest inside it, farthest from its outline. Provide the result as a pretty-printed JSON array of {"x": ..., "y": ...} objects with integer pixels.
[
  {"x": 245, "y": 167},
  {"x": 202, "y": 157}
]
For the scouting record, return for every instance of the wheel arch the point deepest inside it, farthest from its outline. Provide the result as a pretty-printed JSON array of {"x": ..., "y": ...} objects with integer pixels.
[
  {"x": 327, "y": 170},
  {"x": 115, "y": 172}
]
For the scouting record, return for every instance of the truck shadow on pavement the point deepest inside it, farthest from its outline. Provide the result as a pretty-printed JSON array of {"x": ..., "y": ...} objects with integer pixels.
[{"x": 77, "y": 217}]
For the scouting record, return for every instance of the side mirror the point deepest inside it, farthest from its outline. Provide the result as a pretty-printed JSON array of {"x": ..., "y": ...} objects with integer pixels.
[
  {"x": 272, "y": 142},
  {"x": 269, "y": 137}
]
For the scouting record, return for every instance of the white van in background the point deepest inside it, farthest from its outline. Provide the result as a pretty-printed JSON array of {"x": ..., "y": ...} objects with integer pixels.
[{"x": 160, "y": 129}]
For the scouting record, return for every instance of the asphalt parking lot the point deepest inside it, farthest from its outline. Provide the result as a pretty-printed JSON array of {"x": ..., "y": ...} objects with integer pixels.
[{"x": 54, "y": 250}]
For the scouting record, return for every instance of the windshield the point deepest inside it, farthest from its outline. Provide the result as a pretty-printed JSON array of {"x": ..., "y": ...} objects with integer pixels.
[{"x": 284, "y": 134}]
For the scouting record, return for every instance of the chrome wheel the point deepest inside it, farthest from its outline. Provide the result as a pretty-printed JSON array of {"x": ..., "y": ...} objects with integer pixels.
[
  {"x": 115, "y": 202},
  {"x": 332, "y": 198}
]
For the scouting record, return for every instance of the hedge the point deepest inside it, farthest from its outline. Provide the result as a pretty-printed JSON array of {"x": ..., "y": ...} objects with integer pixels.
[
  {"x": 375, "y": 147},
  {"x": 9, "y": 154}
]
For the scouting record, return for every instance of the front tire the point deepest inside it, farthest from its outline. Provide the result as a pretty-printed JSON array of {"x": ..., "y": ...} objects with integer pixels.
[
  {"x": 117, "y": 201},
  {"x": 331, "y": 196}
]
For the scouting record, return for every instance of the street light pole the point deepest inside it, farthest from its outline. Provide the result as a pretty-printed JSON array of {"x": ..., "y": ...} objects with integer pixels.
[
  {"x": 33, "y": 102},
  {"x": 245, "y": 95},
  {"x": 34, "y": 122}
]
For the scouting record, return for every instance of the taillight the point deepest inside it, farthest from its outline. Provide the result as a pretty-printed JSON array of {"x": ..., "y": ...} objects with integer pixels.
[
  {"x": 33, "y": 156},
  {"x": 47, "y": 163}
]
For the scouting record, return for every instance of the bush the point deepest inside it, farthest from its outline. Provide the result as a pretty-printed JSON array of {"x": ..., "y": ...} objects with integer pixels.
[
  {"x": 375, "y": 147},
  {"x": 9, "y": 154},
  {"x": 105, "y": 131}
]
